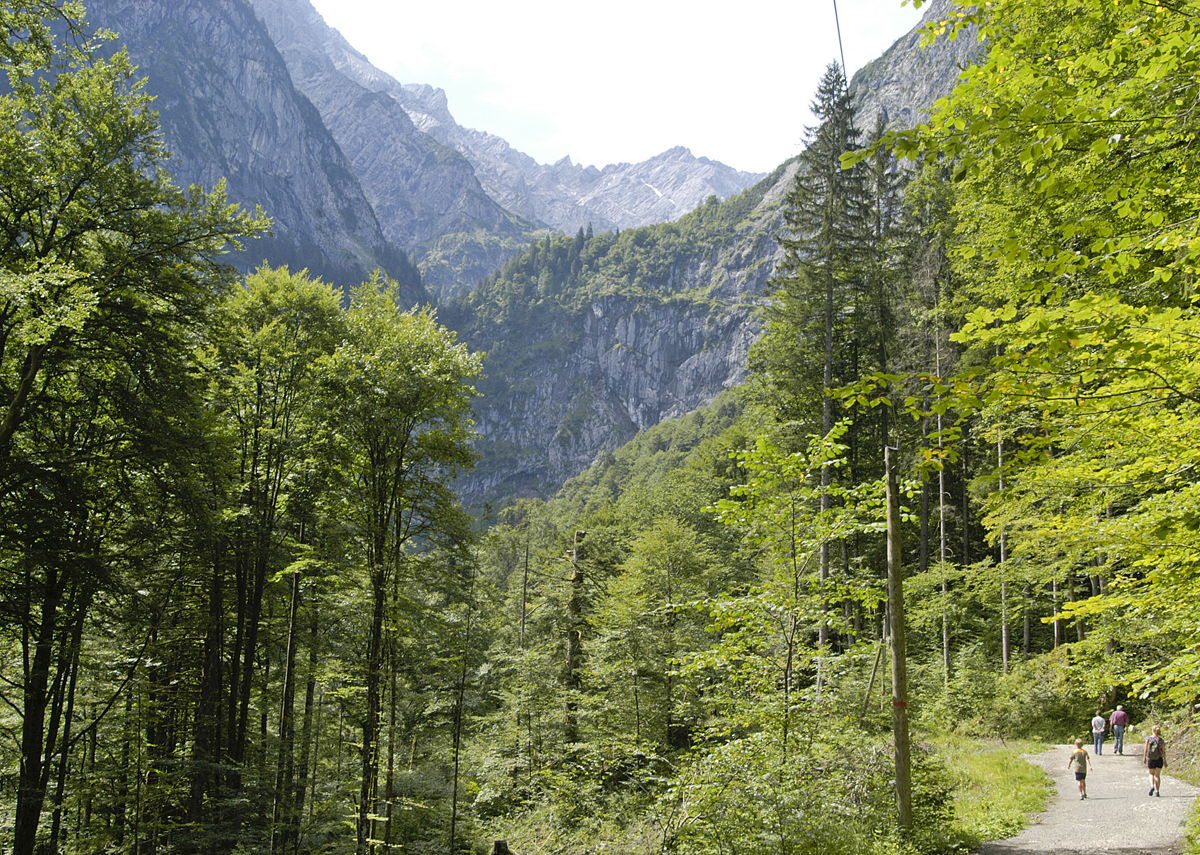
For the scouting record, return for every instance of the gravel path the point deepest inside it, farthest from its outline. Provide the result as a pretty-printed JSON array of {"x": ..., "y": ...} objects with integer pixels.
[{"x": 1117, "y": 818}]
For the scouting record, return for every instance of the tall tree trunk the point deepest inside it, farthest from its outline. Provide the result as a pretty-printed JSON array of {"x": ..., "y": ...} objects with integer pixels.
[
  {"x": 206, "y": 738},
  {"x": 120, "y": 809},
  {"x": 369, "y": 752},
  {"x": 283, "y": 819},
  {"x": 1057, "y": 622},
  {"x": 249, "y": 652},
  {"x": 307, "y": 730},
  {"x": 393, "y": 671},
  {"x": 1027, "y": 622},
  {"x": 571, "y": 666},
  {"x": 1079, "y": 634},
  {"x": 39, "y": 654},
  {"x": 71, "y": 663},
  {"x": 826, "y": 473},
  {"x": 1004, "y": 642},
  {"x": 459, "y": 703}
]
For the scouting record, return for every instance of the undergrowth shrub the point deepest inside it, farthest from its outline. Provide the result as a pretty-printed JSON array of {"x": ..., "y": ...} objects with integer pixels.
[
  {"x": 1051, "y": 697},
  {"x": 747, "y": 798}
]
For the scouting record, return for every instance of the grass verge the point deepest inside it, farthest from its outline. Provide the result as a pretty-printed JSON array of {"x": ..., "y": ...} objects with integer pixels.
[{"x": 996, "y": 793}]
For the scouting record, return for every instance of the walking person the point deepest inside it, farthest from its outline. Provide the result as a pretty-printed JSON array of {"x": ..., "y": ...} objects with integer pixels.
[
  {"x": 1079, "y": 763},
  {"x": 1154, "y": 755},
  {"x": 1098, "y": 727},
  {"x": 1119, "y": 720}
]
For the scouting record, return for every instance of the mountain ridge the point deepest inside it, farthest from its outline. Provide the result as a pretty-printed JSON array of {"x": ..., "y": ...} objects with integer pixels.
[
  {"x": 562, "y": 196},
  {"x": 421, "y": 189},
  {"x": 658, "y": 327}
]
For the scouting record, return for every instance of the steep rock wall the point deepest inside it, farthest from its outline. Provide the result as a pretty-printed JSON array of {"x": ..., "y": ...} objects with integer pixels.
[
  {"x": 229, "y": 110},
  {"x": 576, "y": 384},
  {"x": 422, "y": 191}
]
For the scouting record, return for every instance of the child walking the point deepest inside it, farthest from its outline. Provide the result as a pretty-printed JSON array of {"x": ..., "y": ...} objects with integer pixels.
[{"x": 1079, "y": 763}]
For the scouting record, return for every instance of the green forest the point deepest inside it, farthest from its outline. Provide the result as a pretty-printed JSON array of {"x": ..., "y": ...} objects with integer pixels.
[{"x": 245, "y": 610}]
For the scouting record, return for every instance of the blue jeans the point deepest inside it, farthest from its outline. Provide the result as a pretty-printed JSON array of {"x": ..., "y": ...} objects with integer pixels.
[
  {"x": 1098, "y": 742},
  {"x": 1119, "y": 738}
]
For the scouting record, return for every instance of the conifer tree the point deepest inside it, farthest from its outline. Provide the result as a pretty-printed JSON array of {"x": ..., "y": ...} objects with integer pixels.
[
  {"x": 804, "y": 352},
  {"x": 827, "y": 324}
]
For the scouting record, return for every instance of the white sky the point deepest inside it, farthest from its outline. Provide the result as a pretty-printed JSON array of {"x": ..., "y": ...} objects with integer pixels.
[{"x": 623, "y": 80}]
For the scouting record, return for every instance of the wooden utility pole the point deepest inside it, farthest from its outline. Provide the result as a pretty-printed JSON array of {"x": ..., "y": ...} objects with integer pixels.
[{"x": 899, "y": 665}]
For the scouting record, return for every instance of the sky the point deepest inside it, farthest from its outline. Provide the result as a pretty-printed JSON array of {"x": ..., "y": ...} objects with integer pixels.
[{"x": 623, "y": 80}]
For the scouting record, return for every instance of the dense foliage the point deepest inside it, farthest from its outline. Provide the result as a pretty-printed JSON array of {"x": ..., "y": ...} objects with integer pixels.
[
  {"x": 201, "y": 485},
  {"x": 1074, "y": 146},
  {"x": 243, "y": 610},
  {"x": 559, "y": 276}
]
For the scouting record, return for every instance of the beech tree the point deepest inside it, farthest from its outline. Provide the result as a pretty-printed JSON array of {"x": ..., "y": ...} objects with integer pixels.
[
  {"x": 274, "y": 472},
  {"x": 1073, "y": 143},
  {"x": 399, "y": 388},
  {"x": 645, "y": 623},
  {"x": 108, "y": 273}
]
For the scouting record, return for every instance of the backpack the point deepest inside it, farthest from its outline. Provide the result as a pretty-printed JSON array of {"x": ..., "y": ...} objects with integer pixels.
[{"x": 1154, "y": 748}]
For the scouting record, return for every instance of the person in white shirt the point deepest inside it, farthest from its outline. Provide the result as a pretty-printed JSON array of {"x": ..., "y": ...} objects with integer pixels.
[{"x": 1098, "y": 727}]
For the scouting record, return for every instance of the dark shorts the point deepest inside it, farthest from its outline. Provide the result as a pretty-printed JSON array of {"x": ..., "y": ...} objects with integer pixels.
[
  {"x": 1154, "y": 764},
  {"x": 1079, "y": 776}
]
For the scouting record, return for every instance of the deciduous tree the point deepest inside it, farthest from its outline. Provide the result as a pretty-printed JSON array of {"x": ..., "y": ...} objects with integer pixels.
[
  {"x": 399, "y": 389},
  {"x": 108, "y": 274}
]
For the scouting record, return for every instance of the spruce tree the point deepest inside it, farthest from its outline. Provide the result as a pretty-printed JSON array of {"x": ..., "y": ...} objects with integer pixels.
[
  {"x": 829, "y": 322},
  {"x": 807, "y": 343}
]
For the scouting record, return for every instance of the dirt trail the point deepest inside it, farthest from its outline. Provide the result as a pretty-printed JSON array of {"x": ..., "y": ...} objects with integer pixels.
[{"x": 1119, "y": 817}]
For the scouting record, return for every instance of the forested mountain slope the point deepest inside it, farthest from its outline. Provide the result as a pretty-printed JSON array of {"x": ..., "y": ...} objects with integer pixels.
[{"x": 244, "y": 610}]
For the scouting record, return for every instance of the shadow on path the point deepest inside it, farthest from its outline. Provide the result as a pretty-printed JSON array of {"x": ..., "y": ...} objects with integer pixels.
[{"x": 1118, "y": 817}]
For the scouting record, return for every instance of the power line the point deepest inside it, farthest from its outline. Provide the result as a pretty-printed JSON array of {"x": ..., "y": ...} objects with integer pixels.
[{"x": 837, "y": 23}]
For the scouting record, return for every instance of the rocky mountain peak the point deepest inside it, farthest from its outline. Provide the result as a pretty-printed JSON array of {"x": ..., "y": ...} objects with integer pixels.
[{"x": 562, "y": 195}]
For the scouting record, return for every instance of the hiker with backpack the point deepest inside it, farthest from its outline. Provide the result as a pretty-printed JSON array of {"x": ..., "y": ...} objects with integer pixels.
[{"x": 1154, "y": 755}]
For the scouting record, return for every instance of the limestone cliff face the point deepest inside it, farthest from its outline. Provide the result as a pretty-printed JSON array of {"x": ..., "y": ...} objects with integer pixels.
[
  {"x": 624, "y": 368},
  {"x": 906, "y": 80},
  {"x": 229, "y": 110},
  {"x": 422, "y": 191},
  {"x": 562, "y": 388}
]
